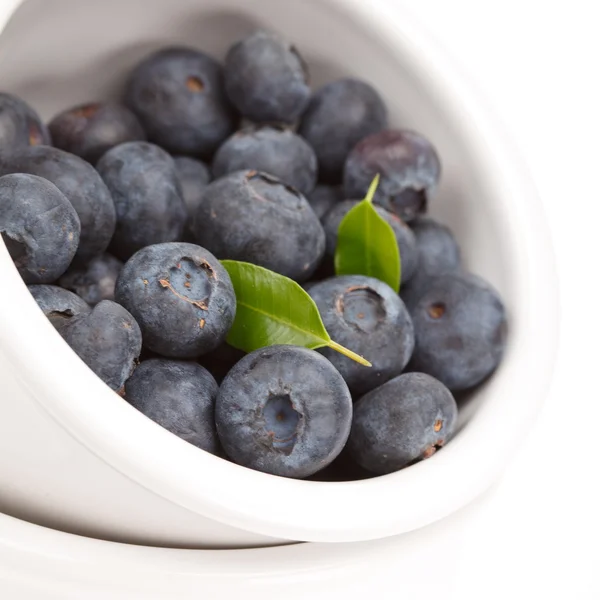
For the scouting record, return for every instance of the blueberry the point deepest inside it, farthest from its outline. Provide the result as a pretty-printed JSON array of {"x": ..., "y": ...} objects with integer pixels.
[
  {"x": 150, "y": 209},
  {"x": 178, "y": 95},
  {"x": 339, "y": 115},
  {"x": 108, "y": 340},
  {"x": 405, "y": 420},
  {"x": 20, "y": 125},
  {"x": 90, "y": 130},
  {"x": 179, "y": 396},
  {"x": 181, "y": 296},
  {"x": 407, "y": 245},
  {"x": 95, "y": 281},
  {"x": 324, "y": 198},
  {"x": 283, "y": 410},
  {"x": 274, "y": 150},
  {"x": 409, "y": 167},
  {"x": 438, "y": 254},
  {"x": 253, "y": 217},
  {"x": 193, "y": 177},
  {"x": 82, "y": 186},
  {"x": 39, "y": 227},
  {"x": 366, "y": 315},
  {"x": 460, "y": 330},
  {"x": 57, "y": 304},
  {"x": 267, "y": 79}
]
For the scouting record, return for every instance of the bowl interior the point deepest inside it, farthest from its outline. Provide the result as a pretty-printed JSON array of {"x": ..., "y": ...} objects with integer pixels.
[{"x": 61, "y": 53}]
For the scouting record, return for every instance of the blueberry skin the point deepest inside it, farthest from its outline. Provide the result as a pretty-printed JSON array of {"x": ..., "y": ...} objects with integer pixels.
[
  {"x": 90, "y": 130},
  {"x": 367, "y": 316},
  {"x": 324, "y": 198},
  {"x": 179, "y": 396},
  {"x": 339, "y": 116},
  {"x": 439, "y": 253},
  {"x": 266, "y": 79},
  {"x": 253, "y": 217},
  {"x": 460, "y": 330},
  {"x": 82, "y": 186},
  {"x": 181, "y": 296},
  {"x": 408, "y": 165},
  {"x": 274, "y": 150},
  {"x": 150, "y": 208},
  {"x": 95, "y": 281},
  {"x": 57, "y": 304},
  {"x": 405, "y": 420},
  {"x": 283, "y": 410},
  {"x": 407, "y": 244},
  {"x": 39, "y": 227},
  {"x": 193, "y": 176},
  {"x": 178, "y": 95},
  {"x": 108, "y": 340},
  {"x": 20, "y": 125}
]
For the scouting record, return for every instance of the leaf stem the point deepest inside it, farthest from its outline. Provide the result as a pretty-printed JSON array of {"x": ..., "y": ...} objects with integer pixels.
[
  {"x": 372, "y": 189},
  {"x": 359, "y": 359}
]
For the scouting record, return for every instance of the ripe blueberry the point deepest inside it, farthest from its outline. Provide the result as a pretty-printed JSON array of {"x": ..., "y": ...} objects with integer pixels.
[
  {"x": 405, "y": 420},
  {"x": 179, "y": 396},
  {"x": 283, "y": 410},
  {"x": 366, "y": 315},
  {"x": 180, "y": 295},
  {"x": 408, "y": 165}
]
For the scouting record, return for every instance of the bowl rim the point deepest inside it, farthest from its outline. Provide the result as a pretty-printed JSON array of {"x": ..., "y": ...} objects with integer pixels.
[{"x": 306, "y": 510}]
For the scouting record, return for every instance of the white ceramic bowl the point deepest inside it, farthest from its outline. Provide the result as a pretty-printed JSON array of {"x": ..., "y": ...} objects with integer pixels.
[{"x": 75, "y": 456}]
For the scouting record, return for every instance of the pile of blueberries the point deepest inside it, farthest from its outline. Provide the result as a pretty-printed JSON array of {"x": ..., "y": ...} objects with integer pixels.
[{"x": 116, "y": 216}]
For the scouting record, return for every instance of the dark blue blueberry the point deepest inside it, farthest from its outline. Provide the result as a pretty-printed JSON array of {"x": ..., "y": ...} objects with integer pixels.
[
  {"x": 274, "y": 150},
  {"x": 95, "y": 281},
  {"x": 407, "y": 245},
  {"x": 283, "y": 410},
  {"x": 438, "y": 249},
  {"x": 367, "y": 316},
  {"x": 254, "y": 217},
  {"x": 181, "y": 296},
  {"x": 20, "y": 125},
  {"x": 57, "y": 304},
  {"x": 405, "y": 420},
  {"x": 409, "y": 167},
  {"x": 108, "y": 340},
  {"x": 460, "y": 330},
  {"x": 82, "y": 186},
  {"x": 324, "y": 198},
  {"x": 150, "y": 209},
  {"x": 339, "y": 116},
  {"x": 179, "y": 97},
  {"x": 193, "y": 177},
  {"x": 179, "y": 396},
  {"x": 266, "y": 79},
  {"x": 89, "y": 130},
  {"x": 438, "y": 254},
  {"x": 39, "y": 227}
]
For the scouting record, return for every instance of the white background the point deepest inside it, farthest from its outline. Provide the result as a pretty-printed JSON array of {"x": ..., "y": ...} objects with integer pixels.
[
  {"x": 538, "y": 61},
  {"x": 536, "y": 534}
]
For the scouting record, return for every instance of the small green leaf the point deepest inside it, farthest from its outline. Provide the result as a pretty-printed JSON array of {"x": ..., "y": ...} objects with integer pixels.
[
  {"x": 272, "y": 309},
  {"x": 367, "y": 245}
]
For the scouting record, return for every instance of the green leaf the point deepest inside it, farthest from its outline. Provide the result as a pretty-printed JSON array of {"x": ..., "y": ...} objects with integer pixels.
[
  {"x": 367, "y": 245},
  {"x": 273, "y": 309}
]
